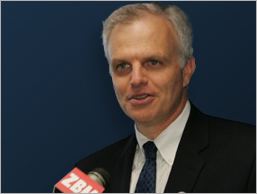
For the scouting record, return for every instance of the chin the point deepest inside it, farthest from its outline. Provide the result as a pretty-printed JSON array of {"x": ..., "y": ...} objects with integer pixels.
[{"x": 141, "y": 117}]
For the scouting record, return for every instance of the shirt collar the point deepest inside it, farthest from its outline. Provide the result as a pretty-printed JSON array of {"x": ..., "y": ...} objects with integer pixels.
[{"x": 168, "y": 140}]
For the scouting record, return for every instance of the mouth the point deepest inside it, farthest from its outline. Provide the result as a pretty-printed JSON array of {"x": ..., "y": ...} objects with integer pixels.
[{"x": 141, "y": 99}]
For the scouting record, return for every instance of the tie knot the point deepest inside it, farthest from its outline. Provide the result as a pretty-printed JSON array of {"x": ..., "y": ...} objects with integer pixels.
[{"x": 150, "y": 150}]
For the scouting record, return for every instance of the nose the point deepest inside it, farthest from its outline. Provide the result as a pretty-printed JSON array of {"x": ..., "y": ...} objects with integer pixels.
[{"x": 138, "y": 78}]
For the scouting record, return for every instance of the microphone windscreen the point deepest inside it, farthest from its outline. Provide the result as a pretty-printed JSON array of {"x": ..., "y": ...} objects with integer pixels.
[{"x": 101, "y": 176}]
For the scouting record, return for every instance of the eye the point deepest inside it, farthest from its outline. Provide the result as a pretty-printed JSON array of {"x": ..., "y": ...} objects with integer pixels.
[
  {"x": 153, "y": 63},
  {"x": 122, "y": 68}
]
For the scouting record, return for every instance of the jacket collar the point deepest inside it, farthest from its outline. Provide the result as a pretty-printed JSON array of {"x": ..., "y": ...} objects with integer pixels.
[
  {"x": 122, "y": 173},
  {"x": 188, "y": 161}
]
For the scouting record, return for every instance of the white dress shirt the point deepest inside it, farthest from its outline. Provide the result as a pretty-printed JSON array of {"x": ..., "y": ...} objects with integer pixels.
[{"x": 167, "y": 144}]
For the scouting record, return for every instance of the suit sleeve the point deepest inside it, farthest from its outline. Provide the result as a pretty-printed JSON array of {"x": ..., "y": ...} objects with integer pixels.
[{"x": 251, "y": 188}]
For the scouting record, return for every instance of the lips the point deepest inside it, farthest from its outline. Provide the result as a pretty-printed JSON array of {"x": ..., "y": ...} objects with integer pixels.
[{"x": 141, "y": 99}]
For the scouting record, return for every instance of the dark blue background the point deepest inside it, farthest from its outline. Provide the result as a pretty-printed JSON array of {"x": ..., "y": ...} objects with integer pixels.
[{"x": 58, "y": 104}]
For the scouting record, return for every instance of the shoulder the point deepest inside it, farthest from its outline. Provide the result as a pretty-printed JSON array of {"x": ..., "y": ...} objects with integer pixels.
[
  {"x": 231, "y": 137},
  {"x": 232, "y": 130},
  {"x": 223, "y": 134},
  {"x": 223, "y": 127},
  {"x": 105, "y": 157}
]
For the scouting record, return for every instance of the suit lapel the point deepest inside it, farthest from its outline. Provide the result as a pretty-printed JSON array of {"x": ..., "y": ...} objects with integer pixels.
[
  {"x": 188, "y": 161},
  {"x": 123, "y": 169}
]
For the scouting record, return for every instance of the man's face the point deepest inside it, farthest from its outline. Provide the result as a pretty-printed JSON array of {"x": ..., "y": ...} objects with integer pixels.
[{"x": 146, "y": 75}]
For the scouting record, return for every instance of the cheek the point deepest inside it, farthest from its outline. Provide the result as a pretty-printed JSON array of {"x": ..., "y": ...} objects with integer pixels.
[
  {"x": 119, "y": 88},
  {"x": 171, "y": 88}
]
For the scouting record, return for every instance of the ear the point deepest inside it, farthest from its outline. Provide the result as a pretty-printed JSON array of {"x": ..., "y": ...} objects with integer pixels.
[{"x": 188, "y": 71}]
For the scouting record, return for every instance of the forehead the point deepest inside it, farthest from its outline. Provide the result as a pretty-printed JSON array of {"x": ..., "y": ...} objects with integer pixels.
[{"x": 148, "y": 34}]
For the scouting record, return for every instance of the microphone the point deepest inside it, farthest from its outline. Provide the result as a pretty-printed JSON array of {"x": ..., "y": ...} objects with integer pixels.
[{"x": 76, "y": 181}]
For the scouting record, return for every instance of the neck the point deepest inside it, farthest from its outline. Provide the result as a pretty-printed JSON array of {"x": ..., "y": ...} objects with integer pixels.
[{"x": 153, "y": 130}]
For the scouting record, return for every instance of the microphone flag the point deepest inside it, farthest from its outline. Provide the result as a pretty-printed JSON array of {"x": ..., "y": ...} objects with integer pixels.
[{"x": 77, "y": 181}]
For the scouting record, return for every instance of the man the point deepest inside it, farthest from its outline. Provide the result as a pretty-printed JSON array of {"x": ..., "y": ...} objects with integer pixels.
[{"x": 175, "y": 148}]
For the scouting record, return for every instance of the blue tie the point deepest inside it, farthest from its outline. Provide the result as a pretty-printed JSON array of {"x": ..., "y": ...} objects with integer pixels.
[{"x": 147, "y": 179}]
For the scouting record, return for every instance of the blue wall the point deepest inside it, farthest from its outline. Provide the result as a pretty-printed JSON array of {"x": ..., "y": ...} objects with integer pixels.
[{"x": 58, "y": 104}]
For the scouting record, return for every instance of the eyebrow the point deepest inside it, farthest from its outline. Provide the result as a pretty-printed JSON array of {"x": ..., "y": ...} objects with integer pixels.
[
  {"x": 155, "y": 57},
  {"x": 117, "y": 61},
  {"x": 159, "y": 57},
  {"x": 147, "y": 57}
]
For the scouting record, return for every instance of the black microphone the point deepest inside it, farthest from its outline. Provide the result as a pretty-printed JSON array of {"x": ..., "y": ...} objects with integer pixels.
[{"x": 76, "y": 181}]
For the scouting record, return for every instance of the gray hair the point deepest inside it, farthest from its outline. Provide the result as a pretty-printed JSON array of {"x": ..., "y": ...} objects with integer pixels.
[{"x": 175, "y": 15}]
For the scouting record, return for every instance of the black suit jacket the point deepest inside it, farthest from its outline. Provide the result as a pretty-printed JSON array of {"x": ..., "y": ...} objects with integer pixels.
[{"x": 214, "y": 155}]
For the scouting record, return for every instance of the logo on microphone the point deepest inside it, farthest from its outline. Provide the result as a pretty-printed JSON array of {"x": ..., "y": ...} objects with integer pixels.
[{"x": 78, "y": 182}]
